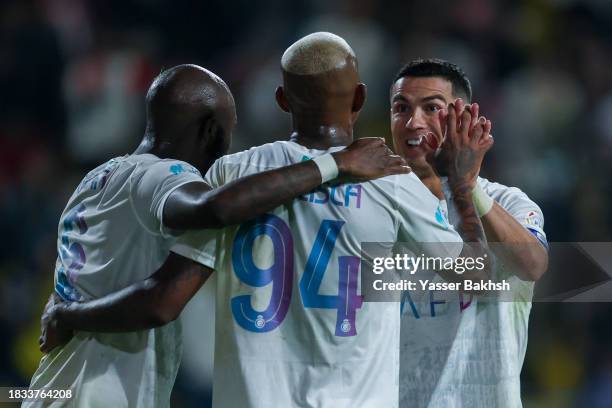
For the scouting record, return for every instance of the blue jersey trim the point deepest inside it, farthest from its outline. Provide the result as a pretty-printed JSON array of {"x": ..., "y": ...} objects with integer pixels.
[{"x": 539, "y": 236}]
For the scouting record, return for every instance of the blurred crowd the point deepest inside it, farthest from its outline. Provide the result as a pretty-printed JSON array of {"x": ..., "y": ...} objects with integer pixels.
[{"x": 73, "y": 74}]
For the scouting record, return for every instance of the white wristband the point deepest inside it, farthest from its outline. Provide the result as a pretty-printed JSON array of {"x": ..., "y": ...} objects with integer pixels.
[
  {"x": 327, "y": 166},
  {"x": 482, "y": 201}
]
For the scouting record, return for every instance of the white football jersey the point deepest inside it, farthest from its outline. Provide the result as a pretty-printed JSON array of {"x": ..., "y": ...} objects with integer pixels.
[
  {"x": 459, "y": 352},
  {"x": 110, "y": 235},
  {"x": 291, "y": 325}
]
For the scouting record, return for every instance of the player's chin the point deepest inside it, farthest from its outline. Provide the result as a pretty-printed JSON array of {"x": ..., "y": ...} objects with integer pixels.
[{"x": 413, "y": 153}]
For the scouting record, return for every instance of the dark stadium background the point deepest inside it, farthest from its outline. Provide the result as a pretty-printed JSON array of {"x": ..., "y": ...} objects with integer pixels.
[{"x": 73, "y": 76}]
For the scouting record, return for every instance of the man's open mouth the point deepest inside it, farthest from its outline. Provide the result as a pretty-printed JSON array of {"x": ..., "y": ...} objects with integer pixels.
[{"x": 416, "y": 142}]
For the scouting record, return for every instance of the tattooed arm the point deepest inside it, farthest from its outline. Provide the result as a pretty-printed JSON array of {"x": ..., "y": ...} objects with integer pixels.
[{"x": 466, "y": 143}]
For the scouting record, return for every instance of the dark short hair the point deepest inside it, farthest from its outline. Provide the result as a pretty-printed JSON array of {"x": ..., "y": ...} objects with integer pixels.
[{"x": 438, "y": 68}]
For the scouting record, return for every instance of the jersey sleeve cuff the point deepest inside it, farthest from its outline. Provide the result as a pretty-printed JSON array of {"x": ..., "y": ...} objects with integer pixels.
[
  {"x": 539, "y": 234},
  {"x": 189, "y": 252},
  {"x": 165, "y": 231}
]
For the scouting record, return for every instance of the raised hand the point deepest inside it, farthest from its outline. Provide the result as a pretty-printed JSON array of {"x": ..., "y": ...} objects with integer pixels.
[
  {"x": 369, "y": 158},
  {"x": 468, "y": 138}
]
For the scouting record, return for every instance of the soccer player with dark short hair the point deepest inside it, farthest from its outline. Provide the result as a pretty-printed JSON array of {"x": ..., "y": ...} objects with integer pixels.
[{"x": 463, "y": 351}]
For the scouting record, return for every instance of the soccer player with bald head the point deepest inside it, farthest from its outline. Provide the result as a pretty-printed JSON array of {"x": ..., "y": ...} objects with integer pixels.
[{"x": 121, "y": 224}]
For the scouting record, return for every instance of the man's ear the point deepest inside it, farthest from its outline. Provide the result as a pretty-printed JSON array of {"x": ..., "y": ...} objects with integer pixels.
[
  {"x": 281, "y": 99},
  {"x": 209, "y": 129},
  {"x": 359, "y": 97}
]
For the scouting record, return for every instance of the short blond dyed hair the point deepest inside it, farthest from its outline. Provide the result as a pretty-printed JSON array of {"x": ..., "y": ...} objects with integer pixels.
[{"x": 316, "y": 53}]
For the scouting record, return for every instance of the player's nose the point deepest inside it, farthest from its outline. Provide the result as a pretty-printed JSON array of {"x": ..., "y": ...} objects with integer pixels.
[{"x": 416, "y": 121}]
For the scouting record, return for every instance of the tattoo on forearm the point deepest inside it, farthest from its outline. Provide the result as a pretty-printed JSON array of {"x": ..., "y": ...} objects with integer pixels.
[{"x": 470, "y": 228}]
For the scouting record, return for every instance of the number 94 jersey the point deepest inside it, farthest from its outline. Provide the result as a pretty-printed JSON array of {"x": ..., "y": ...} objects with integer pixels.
[{"x": 291, "y": 326}]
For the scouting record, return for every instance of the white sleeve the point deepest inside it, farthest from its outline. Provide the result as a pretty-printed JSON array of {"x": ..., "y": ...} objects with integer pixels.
[
  {"x": 228, "y": 168},
  {"x": 519, "y": 206},
  {"x": 422, "y": 219},
  {"x": 199, "y": 246},
  {"x": 214, "y": 176},
  {"x": 151, "y": 188}
]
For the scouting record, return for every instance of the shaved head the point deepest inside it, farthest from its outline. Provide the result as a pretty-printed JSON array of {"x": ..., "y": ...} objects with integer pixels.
[
  {"x": 185, "y": 94},
  {"x": 190, "y": 115},
  {"x": 316, "y": 53}
]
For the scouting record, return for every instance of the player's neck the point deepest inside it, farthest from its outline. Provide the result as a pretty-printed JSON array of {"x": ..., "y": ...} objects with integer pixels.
[
  {"x": 163, "y": 150},
  {"x": 321, "y": 137},
  {"x": 146, "y": 145},
  {"x": 433, "y": 184}
]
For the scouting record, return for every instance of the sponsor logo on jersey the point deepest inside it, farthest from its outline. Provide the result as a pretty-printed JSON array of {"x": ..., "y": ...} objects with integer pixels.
[
  {"x": 176, "y": 169},
  {"x": 179, "y": 168},
  {"x": 433, "y": 303},
  {"x": 344, "y": 195},
  {"x": 441, "y": 217}
]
